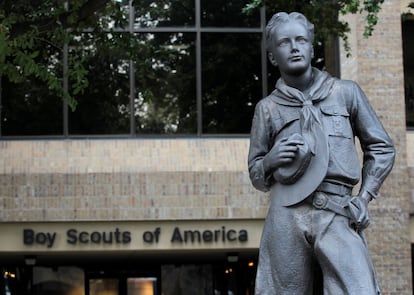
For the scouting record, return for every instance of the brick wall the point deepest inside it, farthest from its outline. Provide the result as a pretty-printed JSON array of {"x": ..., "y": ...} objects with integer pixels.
[
  {"x": 168, "y": 179},
  {"x": 127, "y": 180},
  {"x": 376, "y": 64}
]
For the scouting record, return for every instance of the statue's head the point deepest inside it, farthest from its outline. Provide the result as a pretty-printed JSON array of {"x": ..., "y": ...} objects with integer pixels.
[
  {"x": 289, "y": 39},
  {"x": 283, "y": 18}
]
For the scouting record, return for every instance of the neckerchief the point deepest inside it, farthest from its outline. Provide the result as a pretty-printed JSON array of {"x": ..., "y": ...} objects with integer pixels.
[{"x": 310, "y": 115}]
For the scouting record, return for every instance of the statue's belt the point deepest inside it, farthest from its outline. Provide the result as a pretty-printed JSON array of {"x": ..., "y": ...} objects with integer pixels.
[
  {"x": 336, "y": 189},
  {"x": 332, "y": 197}
]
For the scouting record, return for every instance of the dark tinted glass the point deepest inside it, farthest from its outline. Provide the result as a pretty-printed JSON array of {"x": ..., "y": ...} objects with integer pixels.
[
  {"x": 218, "y": 13},
  {"x": 165, "y": 100},
  {"x": 115, "y": 15},
  {"x": 408, "y": 51},
  {"x": 29, "y": 108},
  {"x": 231, "y": 66},
  {"x": 103, "y": 108},
  {"x": 149, "y": 13}
]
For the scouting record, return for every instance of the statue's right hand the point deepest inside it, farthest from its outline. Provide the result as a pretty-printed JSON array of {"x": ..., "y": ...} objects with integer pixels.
[{"x": 282, "y": 153}]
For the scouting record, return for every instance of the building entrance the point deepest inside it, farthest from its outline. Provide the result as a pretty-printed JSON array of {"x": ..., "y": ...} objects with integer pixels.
[
  {"x": 106, "y": 274},
  {"x": 118, "y": 286},
  {"x": 215, "y": 278}
]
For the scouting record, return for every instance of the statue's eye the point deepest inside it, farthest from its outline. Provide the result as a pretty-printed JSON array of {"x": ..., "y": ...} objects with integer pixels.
[
  {"x": 301, "y": 40},
  {"x": 283, "y": 42}
]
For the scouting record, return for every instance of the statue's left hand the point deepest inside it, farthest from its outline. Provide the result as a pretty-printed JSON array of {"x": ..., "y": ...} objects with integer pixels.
[{"x": 358, "y": 211}]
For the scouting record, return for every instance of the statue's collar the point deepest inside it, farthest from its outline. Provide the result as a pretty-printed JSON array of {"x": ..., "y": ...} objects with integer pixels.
[{"x": 319, "y": 90}]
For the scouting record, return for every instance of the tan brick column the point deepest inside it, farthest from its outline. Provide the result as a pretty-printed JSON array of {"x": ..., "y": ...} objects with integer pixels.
[{"x": 376, "y": 64}]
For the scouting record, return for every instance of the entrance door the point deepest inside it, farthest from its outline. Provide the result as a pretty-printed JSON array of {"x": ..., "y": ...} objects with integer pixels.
[
  {"x": 141, "y": 286},
  {"x": 122, "y": 286}
]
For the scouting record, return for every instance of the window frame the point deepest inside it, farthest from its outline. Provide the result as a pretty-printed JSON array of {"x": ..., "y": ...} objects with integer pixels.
[{"x": 198, "y": 30}]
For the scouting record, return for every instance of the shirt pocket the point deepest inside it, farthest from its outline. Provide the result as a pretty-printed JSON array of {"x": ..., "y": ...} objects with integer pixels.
[{"x": 336, "y": 119}]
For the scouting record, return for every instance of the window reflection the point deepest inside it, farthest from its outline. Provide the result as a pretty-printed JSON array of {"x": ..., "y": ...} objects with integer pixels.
[
  {"x": 29, "y": 108},
  {"x": 231, "y": 65},
  {"x": 408, "y": 51},
  {"x": 103, "y": 107},
  {"x": 112, "y": 20},
  {"x": 58, "y": 281},
  {"x": 150, "y": 13},
  {"x": 141, "y": 286},
  {"x": 103, "y": 286},
  {"x": 218, "y": 13},
  {"x": 186, "y": 279},
  {"x": 165, "y": 99},
  {"x": 150, "y": 83}
]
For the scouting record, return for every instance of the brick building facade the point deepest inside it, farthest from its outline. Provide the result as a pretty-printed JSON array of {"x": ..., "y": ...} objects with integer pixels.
[{"x": 197, "y": 183}]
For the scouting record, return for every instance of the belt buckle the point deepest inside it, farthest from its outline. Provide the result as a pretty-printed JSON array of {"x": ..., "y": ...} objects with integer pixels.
[{"x": 319, "y": 201}]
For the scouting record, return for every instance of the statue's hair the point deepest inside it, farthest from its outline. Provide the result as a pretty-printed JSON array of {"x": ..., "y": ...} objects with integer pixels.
[{"x": 281, "y": 18}]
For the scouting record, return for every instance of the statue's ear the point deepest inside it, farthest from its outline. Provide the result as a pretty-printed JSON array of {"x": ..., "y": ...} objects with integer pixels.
[
  {"x": 313, "y": 53},
  {"x": 272, "y": 59}
]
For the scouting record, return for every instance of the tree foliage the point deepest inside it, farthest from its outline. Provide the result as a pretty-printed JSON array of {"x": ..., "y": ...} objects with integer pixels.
[
  {"x": 324, "y": 14},
  {"x": 33, "y": 34},
  {"x": 408, "y": 14}
]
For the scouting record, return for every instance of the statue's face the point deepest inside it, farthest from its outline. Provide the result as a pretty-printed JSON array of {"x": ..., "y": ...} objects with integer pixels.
[{"x": 291, "y": 48}]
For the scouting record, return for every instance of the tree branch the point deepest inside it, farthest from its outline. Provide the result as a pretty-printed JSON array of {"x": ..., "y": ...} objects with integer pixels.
[{"x": 66, "y": 19}]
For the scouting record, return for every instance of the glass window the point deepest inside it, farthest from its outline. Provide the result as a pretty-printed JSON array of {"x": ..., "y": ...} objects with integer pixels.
[
  {"x": 217, "y": 13},
  {"x": 57, "y": 280},
  {"x": 408, "y": 55},
  {"x": 103, "y": 286},
  {"x": 29, "y": 108},
  {"x": 165, "y": 96},
  {"x": 141, "y": 286},
  {"x": 186, "y": 279},
  {"x": 234, "y": 278},
  {"x": 231, "y": 71},
  {"x": 163, "y": 74},
  {"x": 164, "y": 13},
  {"x": 115, "y": 17},
  {"x": 103, "y": 108}
]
